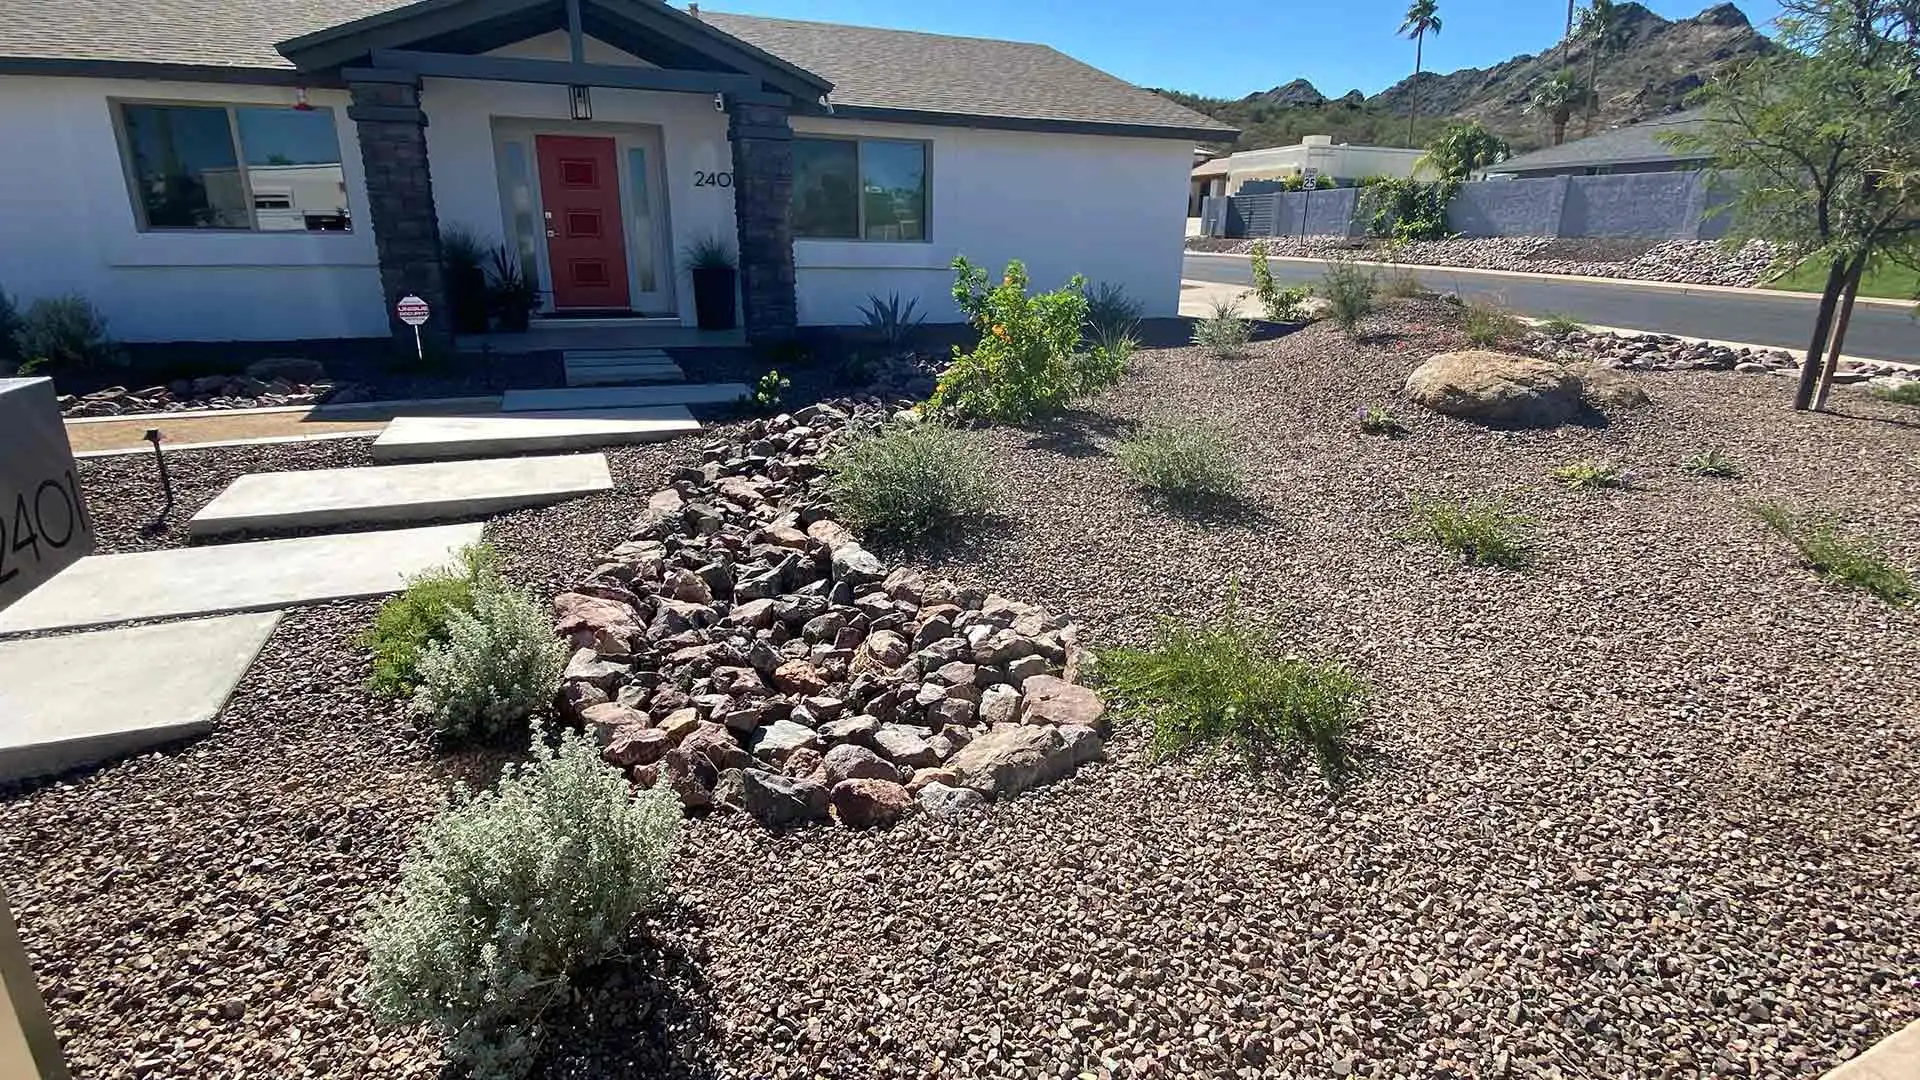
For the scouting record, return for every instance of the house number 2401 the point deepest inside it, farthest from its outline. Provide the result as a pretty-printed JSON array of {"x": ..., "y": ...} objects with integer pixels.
[{"x": 712, "y": 179}]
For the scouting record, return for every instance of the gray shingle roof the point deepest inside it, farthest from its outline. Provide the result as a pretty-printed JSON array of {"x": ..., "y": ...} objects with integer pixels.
[
  {"x": 872, "y": 68},
  {"x": 1635, "y": 142}
]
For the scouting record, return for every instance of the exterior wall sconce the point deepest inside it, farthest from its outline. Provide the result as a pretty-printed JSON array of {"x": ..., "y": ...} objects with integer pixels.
[
  {"x": 580, "y": 103},
  {"x": 300, "y": 102}
]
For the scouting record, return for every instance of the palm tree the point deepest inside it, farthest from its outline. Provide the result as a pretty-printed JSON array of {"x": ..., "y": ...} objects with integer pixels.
[
  {"x": 1423, "y": 17},
  {"x": 1557, "y": 98},
  {"x": 1600, "y": 29}
]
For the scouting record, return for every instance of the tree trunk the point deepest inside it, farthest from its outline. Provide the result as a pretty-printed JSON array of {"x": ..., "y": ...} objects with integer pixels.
[
  {"x": 1560, "y": 128},
  {"x": 1413, "y": 88},
  {"x": 1822, "y": 323},
  {"x": 1593, "y": 87},
  {"x": 1839, "y": 335},
  {"x": 1569, "y": 37}
]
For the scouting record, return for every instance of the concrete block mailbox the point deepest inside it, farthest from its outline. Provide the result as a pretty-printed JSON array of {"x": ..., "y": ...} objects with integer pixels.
[{"x": 44, "y": 526}]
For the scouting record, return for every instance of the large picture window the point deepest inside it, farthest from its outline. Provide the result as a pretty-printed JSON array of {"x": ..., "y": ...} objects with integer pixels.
[
  {"x": 859, "y": 189},
  {"x": 260, "y": 168}
]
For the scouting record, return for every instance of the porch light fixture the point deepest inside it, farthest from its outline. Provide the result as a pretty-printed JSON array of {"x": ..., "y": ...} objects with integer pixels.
[
  {"x": 580, "y": 103},
  {"x": 300, "y": 102}
]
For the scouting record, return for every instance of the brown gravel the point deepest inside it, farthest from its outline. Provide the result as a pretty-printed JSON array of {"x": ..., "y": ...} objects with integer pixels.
[{"x": 1645, "y": 811}]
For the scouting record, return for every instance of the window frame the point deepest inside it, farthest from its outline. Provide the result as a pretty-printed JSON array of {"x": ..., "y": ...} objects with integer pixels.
[
  {"x": 860, "y": 184},
  {"x": 131, "y": 178}
]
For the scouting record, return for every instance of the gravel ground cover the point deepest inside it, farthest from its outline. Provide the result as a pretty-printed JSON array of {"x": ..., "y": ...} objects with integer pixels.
[
  {"x": 1646, "y": 810},
  {"x": 1695, "y": 262}
]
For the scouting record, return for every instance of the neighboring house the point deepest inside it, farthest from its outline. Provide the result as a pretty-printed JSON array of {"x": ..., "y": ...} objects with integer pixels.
[
  {"x": 281, "y": 169},
  {"x": 1636, "y": 148},
  {"x": 1332, "y": 165}
]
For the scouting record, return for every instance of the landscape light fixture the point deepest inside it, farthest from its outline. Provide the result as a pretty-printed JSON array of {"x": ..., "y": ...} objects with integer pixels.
[
  {"x": 166, "y": 481},
  {"x": 581, "y": 104}
]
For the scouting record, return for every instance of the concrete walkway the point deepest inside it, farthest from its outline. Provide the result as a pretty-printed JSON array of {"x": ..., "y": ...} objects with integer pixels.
[
  {"x": 103, "y": 589},
  {"x": 174, "y": 677},
  {"x": 619, "y": 367},
  {"x": 391, "y": 494},
  {"x": 433, "y": 438},
  {"x": 621, "y": 397},
  {"x": 1896, "y": 1057}
]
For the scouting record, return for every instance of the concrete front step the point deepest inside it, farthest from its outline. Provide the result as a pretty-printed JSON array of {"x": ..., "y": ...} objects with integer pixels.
[
  {"x": 621, "y": 397},
  {"x": 178, "y": 676},
  {"x": 618, "y": 367},
  {"x": 392, "y": 494},
  {"x": 257, "y": 576},
  {"x": 425, "y": 438}
]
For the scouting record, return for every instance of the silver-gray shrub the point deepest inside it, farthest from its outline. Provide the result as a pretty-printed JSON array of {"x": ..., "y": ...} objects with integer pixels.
[
  {"x": 510, "y": 893},
  {"x": 497, "y": 666}
]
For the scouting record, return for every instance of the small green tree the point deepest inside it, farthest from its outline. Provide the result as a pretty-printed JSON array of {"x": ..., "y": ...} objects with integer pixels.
[
  {"x": 1462, "y": 148},
  {"x": 1422, "y": 18},
  {"x": 1556, "y": 99}
]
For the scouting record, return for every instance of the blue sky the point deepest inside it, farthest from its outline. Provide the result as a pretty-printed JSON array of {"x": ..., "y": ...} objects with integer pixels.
[{"x": 1234, "y": 49}]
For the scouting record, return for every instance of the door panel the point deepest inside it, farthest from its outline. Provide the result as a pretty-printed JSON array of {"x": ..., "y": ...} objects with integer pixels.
[{"x": 586, "y": 247}]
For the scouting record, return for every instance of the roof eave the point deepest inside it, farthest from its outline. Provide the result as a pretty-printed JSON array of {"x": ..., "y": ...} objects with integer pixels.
[
  {"x": 83, "y": 68},
  {"x": 1046, "y": 124}
]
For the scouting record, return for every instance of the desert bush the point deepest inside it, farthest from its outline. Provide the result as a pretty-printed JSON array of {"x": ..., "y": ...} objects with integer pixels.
[
  {"x": 1847, "y": 560},
  {"x": 1480, "y": 532},
  {"x": 498, "y": 665},
  {"x": 1400, "y": 283},
  {"x": 1029, "y": 361},
  {"x": 1558, "y": 325},
  {"x": 1224, "y": 333},
  {"x": 1349, "y": 290},
  {"x": 1283, "y": 305},
  {"x": 64, "y": 333},
  {"x": 1222, "y": 687},
  {"x": 905, "y": 479},
  {"x": 1377, "y": 420},
  {"x": 1111, "y": 313},
  {"x": 417, "y": 618},
  {"x": 508, "y": 894},
  {"x": 891, "y": 322},
  {"x": 1182, "y": 464},
  {"x": 1711, "y": 463},
  {"x": 1487, "y": 325},
  {"x": 767, "y": 390},
  {"x": 1906, "y": 392},
  {"x": 1588, "y": 473}
]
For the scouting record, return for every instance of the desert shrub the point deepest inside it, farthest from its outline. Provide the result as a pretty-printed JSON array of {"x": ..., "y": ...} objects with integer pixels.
[
  {"x": 1847, "y": 560},
  {"x": 417, "y": 618},
  {"x": 510, "y": 893},
  {"x": 1349, "y": 290},
  {"x": 1377, "y": 420},
  {"x": 1480, "y": 532},
  {"x": 497, "y": 666},
  {"x": 1222, "y": 687},
  {"x": 766, "y": 393},
  {"x": 1029, "y": 361},
  {"x": 1283, "y": 305},
  {"x": 1588, "y": 473},
  {"x": 1558, "y": 325},
  {"x": 1905, "y": 392},
  {"x": 1182, "y": 464},
  {"x": 892, "y": 322},
  {"x": 1404, "y": 209},
  {"x": 1487, "y": 325},
  {"x": 1711, "y": 463},
  {"x": 64, "y": 333},
  {"x": 1112, "y": 315},
  {"x": 905, "y": 479},
  {"x": 1224, "y": 333},
  {"x": 1400, "y": 283}
]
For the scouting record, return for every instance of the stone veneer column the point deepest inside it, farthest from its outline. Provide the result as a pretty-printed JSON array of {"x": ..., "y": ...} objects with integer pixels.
[
  {"x": 406, "y": 231},
  {"x": 762, "y": 191}
]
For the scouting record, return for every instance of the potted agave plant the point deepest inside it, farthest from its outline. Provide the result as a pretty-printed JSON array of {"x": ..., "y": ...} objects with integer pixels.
[
  {"x": 465, "y": 260},
  {"x": 510, "y": 291},
  {"x": 710, "y": 261}
]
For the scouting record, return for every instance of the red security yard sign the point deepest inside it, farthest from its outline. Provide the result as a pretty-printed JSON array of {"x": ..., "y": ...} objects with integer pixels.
[{"x": 413, "y": 311}]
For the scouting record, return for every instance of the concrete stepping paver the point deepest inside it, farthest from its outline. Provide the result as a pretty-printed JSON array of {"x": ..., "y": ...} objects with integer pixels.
[
  {"x": 257, "y": 576},
  {"x": 387, "y": 494},
  {"x": 177, "y": 676},
  {"x": 419, "y": 438},
  {"x": 621, "y": 397}
]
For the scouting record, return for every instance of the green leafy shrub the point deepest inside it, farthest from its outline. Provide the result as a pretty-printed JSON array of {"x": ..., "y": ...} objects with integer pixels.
[
  {"x": 1182, "y": 464},
  {"x": 767, "y": 390},
  {"x": 498, "y": 665},
  {"x": 1480, "y": 532},
  {"x": 64, "y": 333},
  {"x": 1906, "y": 392},
  {"x": 1224, "y": 333},
  {"x": 1283, "y": 305},
  {"x": 1847, "y": 560},
  {"x": 1588, "y": 473},
  {"x": 1558, "y": 325},
  {"x": 893, "y": 323},
  {"x": 417, "y": 618},
  {"x": 1349, "y": 290},
  {"x": 1711, "y": 463},
  {"x": 1222, "y": 687},
  {"x": 1029, "y": 361},
  {"x": 508, "y": 895},
  {"x": 905, "y": 479},
  {"x": 1488, "y": 326},
  {"x": 1407, "y": 209},
  {"x": 9, "y": 334},
  {"x": 1376, "y": 420}
]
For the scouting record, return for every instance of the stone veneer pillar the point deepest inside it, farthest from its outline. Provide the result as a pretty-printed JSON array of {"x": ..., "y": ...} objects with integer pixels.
[
  {"x": 762, "y": 191},
  {"x": 406, "y": 230}
]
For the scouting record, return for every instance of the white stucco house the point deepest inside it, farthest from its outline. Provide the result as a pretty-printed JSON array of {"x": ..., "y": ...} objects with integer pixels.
[{"x": 276, "y": 170}]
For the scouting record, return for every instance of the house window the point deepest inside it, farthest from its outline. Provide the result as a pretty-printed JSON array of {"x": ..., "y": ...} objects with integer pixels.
[
  {"x": 258, "y": 168},
  {"x": 859, "y": 189}
]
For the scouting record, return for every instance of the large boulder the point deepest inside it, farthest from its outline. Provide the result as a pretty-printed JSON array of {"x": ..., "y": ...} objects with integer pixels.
[
  {"x": 1496, "y": 388},
  {"x": 782, "y": 800},
  {"x": 1608, "y": 388},
  {"x": 865, "y": 803},
  {"x": 1053, "y": 700},
  {"x": 1008, "y": 760}
]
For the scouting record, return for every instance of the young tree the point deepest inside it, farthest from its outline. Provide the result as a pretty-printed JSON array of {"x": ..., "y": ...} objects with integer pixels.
[
  {"x": 1823, "y": 142},
  {"x": 1422, "y": 18},
  {"x": 1462, "y": 148},
  {"x": 1602, "y": 30},
  {"x": 1556, "y": 99}
]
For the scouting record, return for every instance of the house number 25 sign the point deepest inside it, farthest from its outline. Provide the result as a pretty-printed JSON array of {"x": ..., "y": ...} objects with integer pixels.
[{"x": 712, "y": 179}]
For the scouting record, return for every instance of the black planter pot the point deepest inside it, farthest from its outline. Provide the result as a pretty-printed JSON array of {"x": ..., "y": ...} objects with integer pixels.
[
  {"x": 514, "y": 318},
  {"x": 713, "y": 296},
  {"x": 469, "y": 287}
]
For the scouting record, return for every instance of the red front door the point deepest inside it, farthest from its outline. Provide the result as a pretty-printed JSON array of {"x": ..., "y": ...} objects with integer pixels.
[{"x": 586, "y": 250}]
